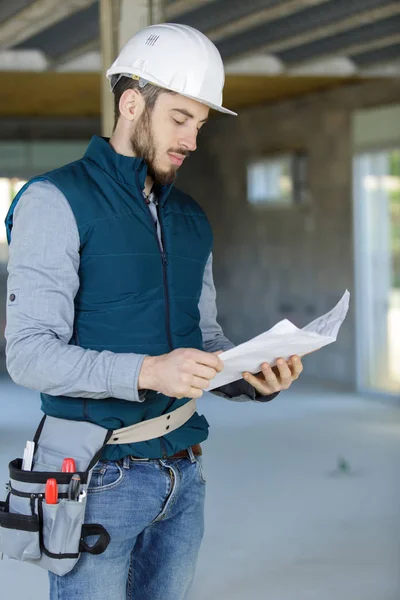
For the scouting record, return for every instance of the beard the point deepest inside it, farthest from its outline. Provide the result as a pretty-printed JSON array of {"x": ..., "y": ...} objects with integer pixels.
[{"x": 143, "y": 146}]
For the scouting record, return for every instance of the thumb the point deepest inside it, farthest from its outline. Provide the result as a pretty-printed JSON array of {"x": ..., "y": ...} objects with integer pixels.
[{"x": 221, "y": 362}]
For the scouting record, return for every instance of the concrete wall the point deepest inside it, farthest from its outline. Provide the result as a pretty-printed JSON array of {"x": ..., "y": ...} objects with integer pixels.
[
  {"x": 285, "y": 263},
  {"x": 273, "y": 264}
]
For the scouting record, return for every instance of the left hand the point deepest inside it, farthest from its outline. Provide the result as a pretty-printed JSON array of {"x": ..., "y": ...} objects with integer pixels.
[{"x": 275, "y": 379}]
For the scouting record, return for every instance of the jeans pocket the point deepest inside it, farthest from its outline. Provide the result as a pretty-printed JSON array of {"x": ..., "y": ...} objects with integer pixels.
[
  {"x": 200, "y": 468},
  {"x": 106, "y": 476}
]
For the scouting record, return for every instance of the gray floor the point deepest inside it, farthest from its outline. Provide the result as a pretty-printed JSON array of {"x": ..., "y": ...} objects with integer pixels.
[{"x": 283, "y": 521}]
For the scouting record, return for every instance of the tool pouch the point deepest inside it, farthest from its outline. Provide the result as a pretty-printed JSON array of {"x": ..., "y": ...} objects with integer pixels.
[{"x": 52, "y": 536}]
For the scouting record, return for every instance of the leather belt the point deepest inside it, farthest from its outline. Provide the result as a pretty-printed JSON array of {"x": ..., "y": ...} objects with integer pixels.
[{"x": 197, "y": 451}]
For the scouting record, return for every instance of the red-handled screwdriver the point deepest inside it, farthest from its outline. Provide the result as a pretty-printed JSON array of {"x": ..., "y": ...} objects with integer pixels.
[
  {"x": 68, "y": 466},
  {"x": 51, "y": 494}
]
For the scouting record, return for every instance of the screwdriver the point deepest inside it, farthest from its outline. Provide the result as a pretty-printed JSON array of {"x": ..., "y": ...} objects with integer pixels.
[
  {"x": 51, "y": 493},
  {"x": 74, "y": 487},
  {"x": 68, "y": 466}
]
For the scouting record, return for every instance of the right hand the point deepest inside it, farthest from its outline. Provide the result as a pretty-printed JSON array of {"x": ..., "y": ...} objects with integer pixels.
[{"x": 182, "y": 373}]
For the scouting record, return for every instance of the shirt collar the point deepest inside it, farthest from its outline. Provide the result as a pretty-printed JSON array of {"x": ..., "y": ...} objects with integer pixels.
[{"x": 151, "y": 198}]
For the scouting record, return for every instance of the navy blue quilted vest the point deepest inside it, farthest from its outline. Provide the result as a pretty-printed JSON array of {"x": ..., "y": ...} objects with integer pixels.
[{"x": 132, "y": 296}]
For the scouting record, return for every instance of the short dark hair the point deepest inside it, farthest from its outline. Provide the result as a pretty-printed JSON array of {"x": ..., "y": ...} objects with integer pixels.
[{"x": 149, "y": 92}]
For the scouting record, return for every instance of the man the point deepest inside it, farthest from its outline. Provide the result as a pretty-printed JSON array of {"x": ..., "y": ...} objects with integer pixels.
[{"x": 112, "y": 315}]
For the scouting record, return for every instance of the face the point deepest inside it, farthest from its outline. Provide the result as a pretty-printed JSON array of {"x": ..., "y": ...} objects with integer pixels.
[{"x": 165, "y": 136}]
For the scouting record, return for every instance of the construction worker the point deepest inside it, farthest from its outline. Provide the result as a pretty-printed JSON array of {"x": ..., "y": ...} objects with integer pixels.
[{"x": 111, "y": 314}]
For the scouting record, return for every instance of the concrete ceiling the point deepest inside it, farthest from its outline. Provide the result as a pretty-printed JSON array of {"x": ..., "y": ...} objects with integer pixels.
[
  {"x": 280, "y": 45},
  {"x": 296, "y": 34}
]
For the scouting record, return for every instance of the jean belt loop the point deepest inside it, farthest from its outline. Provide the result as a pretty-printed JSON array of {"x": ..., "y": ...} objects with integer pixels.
[
  {"x": 126, "y": 462},
  {"x": 191, "y": 455}
]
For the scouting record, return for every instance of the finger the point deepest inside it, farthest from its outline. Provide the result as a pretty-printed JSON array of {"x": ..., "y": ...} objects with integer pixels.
[
  {"x": 285, "y": 374},
  {"x": 199, "y": 383},
  {"x": 195, "y": 393},
  {"x": 209, "y": 359},
  {"x": 204, "y": 372},
  {"x": 296, "y": 366},
  {"x": 270, "y": 378},
  {"x": 263, "y": 387}
]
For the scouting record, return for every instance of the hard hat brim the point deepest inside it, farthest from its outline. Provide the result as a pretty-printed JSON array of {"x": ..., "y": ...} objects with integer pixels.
[
  {"x": 220, "y": 109},
  {"x": 126, "y": 71}
]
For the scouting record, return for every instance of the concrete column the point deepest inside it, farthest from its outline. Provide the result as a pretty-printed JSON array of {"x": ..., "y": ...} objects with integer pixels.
[
  {"x": 109, "y": 23},
  {"x": 119, "y": 21}
]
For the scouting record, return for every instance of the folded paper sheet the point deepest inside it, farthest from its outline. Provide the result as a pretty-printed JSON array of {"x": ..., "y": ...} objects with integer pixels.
[{"x": 282, "y": 341}]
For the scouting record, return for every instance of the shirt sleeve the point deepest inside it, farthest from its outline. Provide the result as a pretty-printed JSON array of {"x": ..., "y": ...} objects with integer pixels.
[
  {"x": 42, "y": 283},
  {"x": 214, "y": 340},
  {"x": 213, "y": 336}
]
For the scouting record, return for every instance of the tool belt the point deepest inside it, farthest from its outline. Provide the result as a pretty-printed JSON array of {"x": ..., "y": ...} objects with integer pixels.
[{"x": 53, "y": 536}]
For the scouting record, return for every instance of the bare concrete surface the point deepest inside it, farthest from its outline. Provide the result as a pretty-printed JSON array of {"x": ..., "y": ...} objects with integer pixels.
[{"x": 302, "y": 504}]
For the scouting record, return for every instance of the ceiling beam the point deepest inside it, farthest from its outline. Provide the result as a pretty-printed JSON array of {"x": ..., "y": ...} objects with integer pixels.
[
  {"x": 299, "y": 28},
  {"x": 334, "y": 65},
  {"x": 50, "y": 94},
  {"x": 374, "y": 44},
  {"x": 36, "y": 17},
  {"x": 370, "y": 16},
  {"x": 283, "y": 9},
  {"x": 93, "y": 46},
  {"x": 382, "y": 69},
  {"x": 349, "y": 50},
  {"x": 379, "y": 55},
  {"x": 340, "y": 43},
  {"x": 66, "y": 95},
  {"x": 179, "y": 7},
  {"x": 23, "y": 60}
]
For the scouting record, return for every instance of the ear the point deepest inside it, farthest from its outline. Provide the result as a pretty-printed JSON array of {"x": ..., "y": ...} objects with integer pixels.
[{"x": 131, "y": 104}]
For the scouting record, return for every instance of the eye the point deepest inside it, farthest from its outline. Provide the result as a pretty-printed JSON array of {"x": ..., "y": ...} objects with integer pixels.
[{"x": 178, "y": 122}]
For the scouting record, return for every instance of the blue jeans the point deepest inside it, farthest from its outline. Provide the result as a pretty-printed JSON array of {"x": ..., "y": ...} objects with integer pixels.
[{"x": 154, "y": 513}]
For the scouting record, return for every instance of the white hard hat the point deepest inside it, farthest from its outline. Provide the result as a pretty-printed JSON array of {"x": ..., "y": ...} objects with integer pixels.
[{"x": 175, "y": 57}]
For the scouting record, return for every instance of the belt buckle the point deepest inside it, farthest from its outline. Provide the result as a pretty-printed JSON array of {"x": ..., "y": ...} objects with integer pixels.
[{"x": 138, "y": 459}]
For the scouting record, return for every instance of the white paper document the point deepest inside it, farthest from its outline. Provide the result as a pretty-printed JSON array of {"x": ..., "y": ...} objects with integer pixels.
[{"x": 282, "y": 341}]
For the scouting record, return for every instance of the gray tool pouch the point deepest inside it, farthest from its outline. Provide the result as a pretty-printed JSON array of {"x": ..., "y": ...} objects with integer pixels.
[{"x": 52, "y": 536}]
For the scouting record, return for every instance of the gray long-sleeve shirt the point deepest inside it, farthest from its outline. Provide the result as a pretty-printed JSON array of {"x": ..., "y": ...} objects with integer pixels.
[{"x": 42, "y": 284}]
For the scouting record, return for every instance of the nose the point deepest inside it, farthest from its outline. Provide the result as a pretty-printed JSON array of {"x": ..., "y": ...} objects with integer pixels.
[{"x": 188, "y": 140}]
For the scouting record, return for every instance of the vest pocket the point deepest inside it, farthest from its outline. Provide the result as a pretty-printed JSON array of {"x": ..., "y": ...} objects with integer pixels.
[{"x": 19, "y": 535}]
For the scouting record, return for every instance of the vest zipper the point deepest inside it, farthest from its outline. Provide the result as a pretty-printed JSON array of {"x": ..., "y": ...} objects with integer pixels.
[
  {"x": 167, "y": 308},
  {"x": 165, "y": 278},
  {"x": 164, "y": 260}
]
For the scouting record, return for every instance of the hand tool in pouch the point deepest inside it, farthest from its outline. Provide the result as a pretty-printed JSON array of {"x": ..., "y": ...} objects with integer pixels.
[
  {"x": 51, "y": 493},
  {"x": 74, "y": 488},
  {"x": 68, "y": 466}
]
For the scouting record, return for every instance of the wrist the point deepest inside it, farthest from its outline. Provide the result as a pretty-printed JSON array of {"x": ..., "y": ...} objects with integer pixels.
[{"x": 147, "y": 374}]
